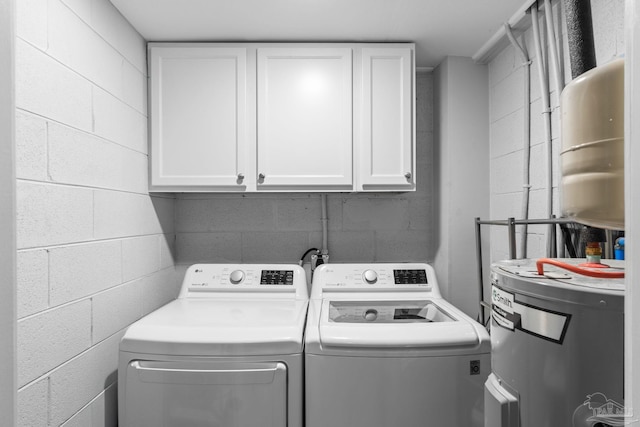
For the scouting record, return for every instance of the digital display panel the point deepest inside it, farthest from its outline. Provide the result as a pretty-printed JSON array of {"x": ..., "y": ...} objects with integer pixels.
[
  {"x": 408, "y": 277},
  {"x": 276, "y": 277}
]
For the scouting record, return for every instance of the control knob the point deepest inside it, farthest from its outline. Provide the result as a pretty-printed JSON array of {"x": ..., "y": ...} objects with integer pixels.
[
  {"x": 370, "y": 276},
  {"x": 236, "y": 277},
  {"x": 371, "y": 315}
]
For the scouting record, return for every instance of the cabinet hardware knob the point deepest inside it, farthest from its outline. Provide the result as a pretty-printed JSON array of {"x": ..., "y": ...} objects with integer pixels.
[
  {"x": 407, "y": 175},
  {"x": 240, "y": 176},
  {"x": 261, "y": 177}
]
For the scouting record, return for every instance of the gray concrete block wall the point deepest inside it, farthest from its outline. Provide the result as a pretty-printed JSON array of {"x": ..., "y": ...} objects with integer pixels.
[
  {"x": 363, "y": 227},
  {"x": 506, "y": 116},
  {"x": 95, "y": 250}
]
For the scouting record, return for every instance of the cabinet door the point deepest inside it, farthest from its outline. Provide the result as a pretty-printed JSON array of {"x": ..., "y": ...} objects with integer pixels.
[
  {"x": 387, "y": 143},
  {"x": 198, "y": 117},
  {"x": 304, "y": 118}
]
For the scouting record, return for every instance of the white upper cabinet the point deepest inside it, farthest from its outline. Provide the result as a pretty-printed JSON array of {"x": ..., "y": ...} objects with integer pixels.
[
  {"x": 386, "y": 147},
  {"x": 260, "y": 117},
  {"x": 198, "y": 117},
  {"x": 305, "y": 117}
]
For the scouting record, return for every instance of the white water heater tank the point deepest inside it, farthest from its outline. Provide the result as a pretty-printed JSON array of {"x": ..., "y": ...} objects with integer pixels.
[
  {"x": 557, "y": 347},
  {"x": 592, "y": 156}
]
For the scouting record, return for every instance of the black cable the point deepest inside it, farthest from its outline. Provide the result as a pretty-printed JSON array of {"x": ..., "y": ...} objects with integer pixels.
[
  {"x": 568, "y": 241},
  {"x": 307, "y": 253}
]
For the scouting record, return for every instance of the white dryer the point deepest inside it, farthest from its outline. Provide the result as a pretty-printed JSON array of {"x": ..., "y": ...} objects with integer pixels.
[
  {"x": 384, "y": 349},
  {"x": 227, "y": 353}
]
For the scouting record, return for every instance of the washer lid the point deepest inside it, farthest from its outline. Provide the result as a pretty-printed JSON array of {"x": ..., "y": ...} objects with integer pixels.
[
  {"x": 219, "y": 327},
  {"x": 393, "y": 323}
]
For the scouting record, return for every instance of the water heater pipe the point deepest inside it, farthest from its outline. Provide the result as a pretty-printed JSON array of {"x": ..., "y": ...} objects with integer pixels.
[
  {"x": 546, "y": 112},
  {"x": 582, "y": 51},
  {"x": 579, "y": 270},
  {"x": 526, "y": 185},
  {"x": 554, "y": 57},
  {"x": 325, "y": 225}
]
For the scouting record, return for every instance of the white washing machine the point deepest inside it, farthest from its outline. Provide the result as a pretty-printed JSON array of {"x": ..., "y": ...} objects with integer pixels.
[
  {"x": 227, "y": 353},
  {"x": 384, "y": 349}
]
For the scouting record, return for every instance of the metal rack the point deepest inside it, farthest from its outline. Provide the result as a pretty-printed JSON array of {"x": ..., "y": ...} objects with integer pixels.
[{"x": 511, "y": 223}]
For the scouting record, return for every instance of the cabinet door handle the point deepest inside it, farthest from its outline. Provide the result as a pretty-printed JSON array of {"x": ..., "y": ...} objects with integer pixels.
[
  {"x": 261, "y": 177},
  {"x": 240, "y": 176},
  {"x": 408, "y": 176}
]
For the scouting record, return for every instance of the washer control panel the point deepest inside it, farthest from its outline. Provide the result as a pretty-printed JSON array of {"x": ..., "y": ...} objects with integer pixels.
[
  {"x": 274, "y": 278},
  {"x": 374, "y": 277}
]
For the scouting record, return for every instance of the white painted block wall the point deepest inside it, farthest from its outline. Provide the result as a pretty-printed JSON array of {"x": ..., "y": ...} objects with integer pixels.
[
  {"x": 95, "y": 250},
  {"x": 462, "y": 172},
  {"x": 8, "y": 377},
  {"x": 367, "y": 227},
  {"x": 506, "y": 117}
]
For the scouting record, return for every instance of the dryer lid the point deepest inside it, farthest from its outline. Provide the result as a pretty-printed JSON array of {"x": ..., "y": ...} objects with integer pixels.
[
  {"x": 219, "y": 327},
  {"x": 393, "y": 323}
]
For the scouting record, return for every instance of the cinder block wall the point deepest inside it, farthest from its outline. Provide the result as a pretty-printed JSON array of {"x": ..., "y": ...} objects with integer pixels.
[
  {"x": 363, "y": 227},
  {"x": 507, "y": 120},
  {"x": 95, "y": 250}
]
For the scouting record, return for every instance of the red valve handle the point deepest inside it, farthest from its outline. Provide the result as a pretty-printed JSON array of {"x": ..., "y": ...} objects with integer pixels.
[{"x": 576, "y": 269}]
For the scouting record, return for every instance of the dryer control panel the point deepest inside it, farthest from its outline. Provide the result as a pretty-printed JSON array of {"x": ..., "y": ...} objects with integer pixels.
[
  {"x": 272, "y": 279},
  {"x": 396, "y": 277}
]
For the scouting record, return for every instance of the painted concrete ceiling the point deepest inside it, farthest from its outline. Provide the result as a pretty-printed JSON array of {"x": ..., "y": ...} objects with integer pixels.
[{"x": 438, "y": 27}]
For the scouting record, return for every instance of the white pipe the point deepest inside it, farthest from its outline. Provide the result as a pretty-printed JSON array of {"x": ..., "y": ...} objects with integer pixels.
[
  {"x": 325, "y": 222},
  {"x": 559, "y": 81},
  {"x": 526, "y": 185},
  {"x": 495, "y": 43},
  {"x": 555, "y": 58},
  {"x": 546, "y": 111}
]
